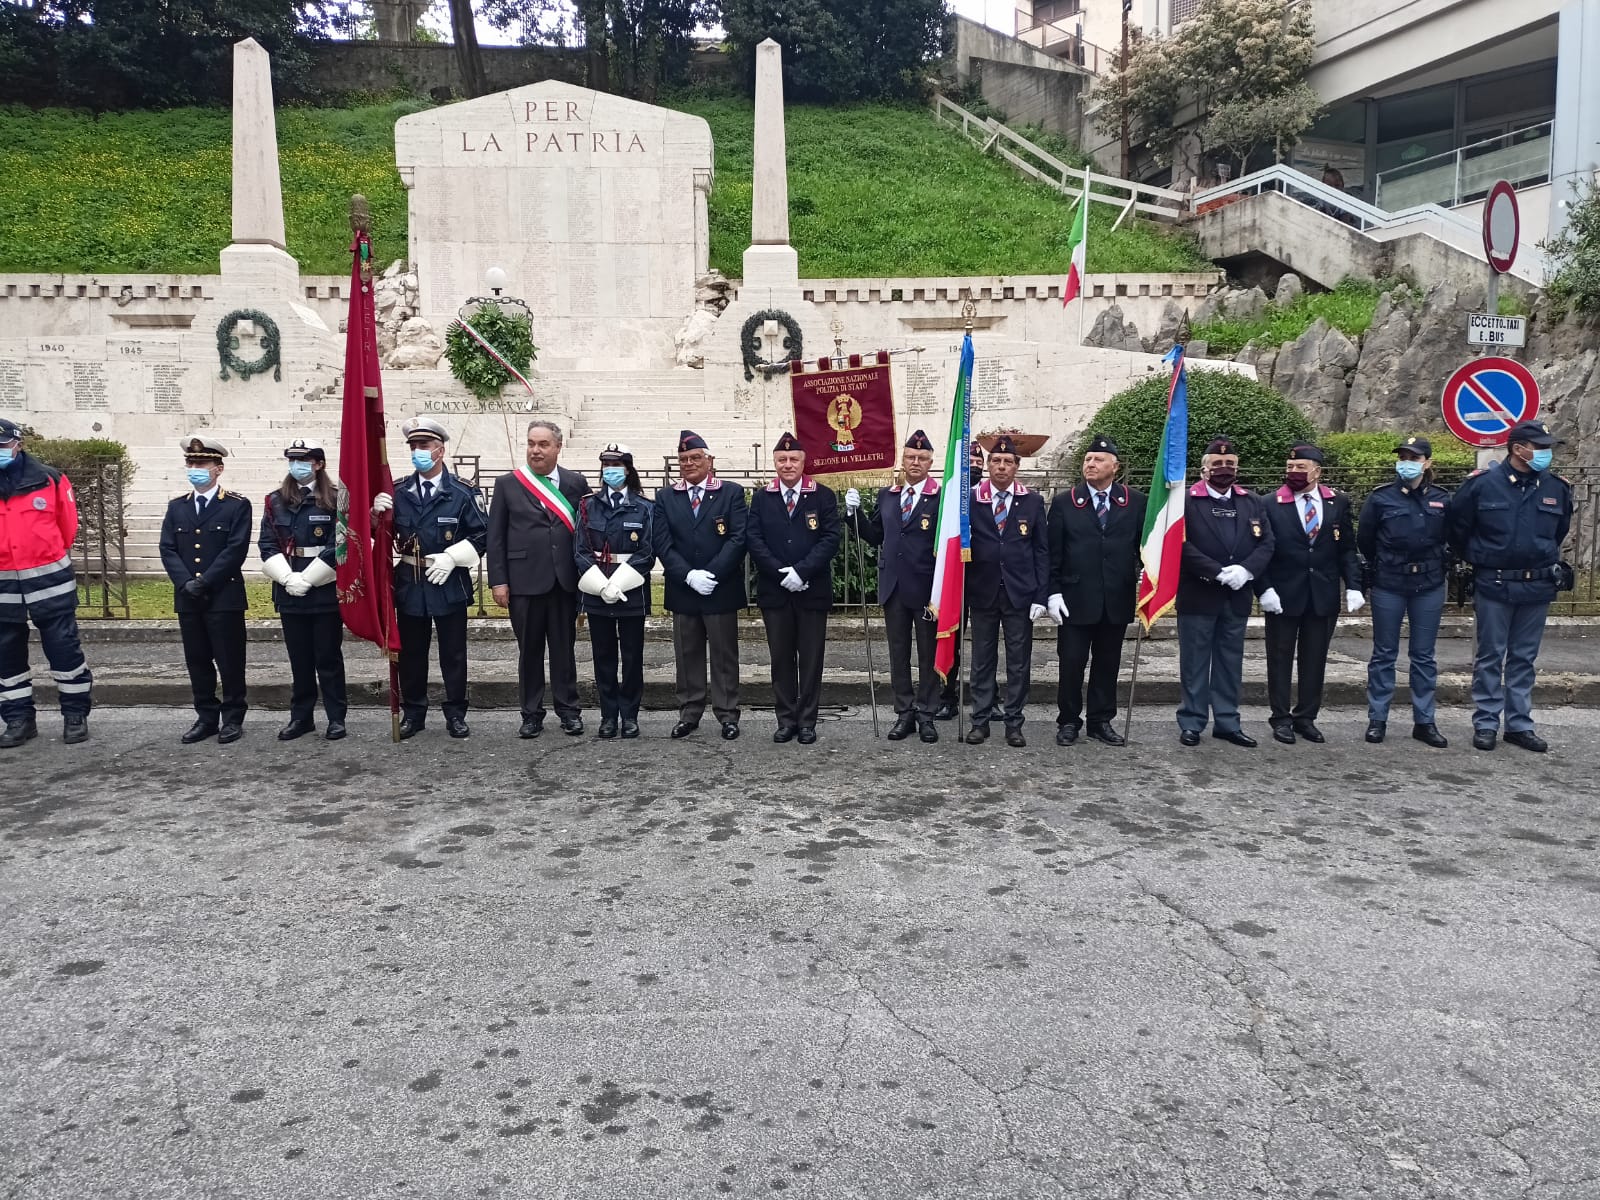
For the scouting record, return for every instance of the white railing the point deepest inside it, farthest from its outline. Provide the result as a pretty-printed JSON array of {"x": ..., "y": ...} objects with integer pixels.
[{"x": 1460, "y": 176}]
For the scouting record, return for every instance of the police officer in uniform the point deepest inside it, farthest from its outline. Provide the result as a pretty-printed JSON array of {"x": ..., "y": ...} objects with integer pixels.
[
  {"x": 1509, "y": 522},
  {"x": 1402, "y": 537},
  {"x": 205, "y": 539},
  {"x": 298, "y": 544},
  {"x": 1314, "y": 559},
  {"x": 950, "y": 691},
  {"x": 439, "y": 534},
  {"x": 700, "y": 540},
  {"x": 614, "y": 551},
  {"x": 1008, "y": 582},
  {"x": 1094, "y": 535},
  {"x": 793, "y": 534},
  {"x": 38, "y": 522},
  {"x": 906, "y": 528},
  {"x": 1228, "y": 541}
]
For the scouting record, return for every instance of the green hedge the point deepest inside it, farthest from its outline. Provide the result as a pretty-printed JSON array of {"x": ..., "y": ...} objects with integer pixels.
[{"x": 101, "y": 472}]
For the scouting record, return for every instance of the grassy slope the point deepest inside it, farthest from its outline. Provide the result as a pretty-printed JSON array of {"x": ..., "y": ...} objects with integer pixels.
[{"x": 873, "y": 191}]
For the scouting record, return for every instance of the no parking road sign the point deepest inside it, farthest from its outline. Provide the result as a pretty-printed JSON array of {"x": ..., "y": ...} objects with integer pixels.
[{"x": 1486, "y": 397}]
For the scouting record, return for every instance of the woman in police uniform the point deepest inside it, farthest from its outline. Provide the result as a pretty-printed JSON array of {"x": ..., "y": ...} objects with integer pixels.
[
  {"x": 615, "y": 551},
  {"x": 299, "y": 529}
]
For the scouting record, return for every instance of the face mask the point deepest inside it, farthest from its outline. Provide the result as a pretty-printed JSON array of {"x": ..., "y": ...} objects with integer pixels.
[
  {"x": 200, "y": 478},
  {"x": 1408, "y": 469},
  {"x": 1222, "y": 478},
  {"x": 614, "y": 476},
  {"x": 7, "y": 457},
  {"x": 1541, "y": 460},
  {"x": 301, "y": 471},
  {"x": 1298, "y": 481},
  {"x": 422, "y": 460}
]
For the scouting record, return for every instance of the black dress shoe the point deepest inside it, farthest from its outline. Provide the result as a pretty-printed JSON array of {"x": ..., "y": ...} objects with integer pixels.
[
  {"x": 608, "y": 728},
  {"x": 297, "y": 728},
  {"x": 684, "y": 728},
  {"x": 806, "y": 736},
  {"x": 1188, "y": 737},
  {"x": 730, "y": 731},
  {"x": 1284, "y": 734},
  {"x": 335, "y": 731},
  {"x": 456, "y": 727},
  {"x": 977, "y": 735},
  {"x": 410, "y": 727},
  {"x": 231, "y": 731},
  {"x": 1066, "y": 735},
  {"x": 572, "y": 726},
  {"x": 1309, "y": 731},
  {"x": 1483, "y": 739},
  {"x": 1108, "y": 735},
  {"x": 927, "y": 730},
  {"x": 1014, "y": 738},
  {"x": 1429, "y": 734},
  {"x": 1237, "y": 736},
  {"x": 198, "y": 732},
  {"x": 945, "y": 712},
  {"x": 27, "y": 729},
  {"x": 1527, "y": 739},
  {"x": 530, "y": 728},
  {"x": 630, "y": 729},
  {"x": 903, "y": 726},
  {"x": 1375, "y": 731},
  {"x": 784, "y": 733},
  {"x": 74, "y": 730}
]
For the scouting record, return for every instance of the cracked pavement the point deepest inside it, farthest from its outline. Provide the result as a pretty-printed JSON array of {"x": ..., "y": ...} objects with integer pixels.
[{"x": 570, "y": 967}]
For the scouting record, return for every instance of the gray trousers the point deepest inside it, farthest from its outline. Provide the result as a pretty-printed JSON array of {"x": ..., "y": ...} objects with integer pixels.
[
  {"x": 1502, "y": 669},
  {"x": 694, "y": 637},
  {"x": 1210, "y": 669},
  {"x": 904, "y": 625},
  {"x": 986, "y": 624}
]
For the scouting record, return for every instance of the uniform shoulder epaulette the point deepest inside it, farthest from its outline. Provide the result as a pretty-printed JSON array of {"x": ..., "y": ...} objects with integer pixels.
[
  {"x": 1475, "y": 472},
  {"x": 1565, "y": 480},
  {"x": 1391, "y": 483}
]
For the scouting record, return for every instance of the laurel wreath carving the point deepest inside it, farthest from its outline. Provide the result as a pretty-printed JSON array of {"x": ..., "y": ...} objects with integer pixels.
[
  {"x": 751, "y": 337},
  {"x": 228, "y": 345}
]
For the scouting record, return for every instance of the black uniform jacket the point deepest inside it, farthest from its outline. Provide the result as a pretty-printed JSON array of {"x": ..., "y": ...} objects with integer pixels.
[
  {"x": 1096, "y": 570},
  {"x": 453, "y": 514},
  {"x": 212, "y": 550},
  {"x": 806, "y": 541},
  {"x": 712, "y": 541},
  {"x": 1402, "y": 535},
  {"x": 1232, "y": 531},
  {"x": 906, "y": 548},
  {"x": 1510, "y": 525},
  {"x": 608, "y": 536},
  {"x": 530, "y": 548},
  {"x": 1311, "y": 577},
  {"x": 302, "y": 535},
  {"x": 1014, "y": 563}
]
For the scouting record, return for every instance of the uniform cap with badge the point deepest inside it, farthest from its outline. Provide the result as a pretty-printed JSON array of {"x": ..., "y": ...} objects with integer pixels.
[
  {"x": 787, "y": 441},
  {"x": 1222, "y": 444},
  {"x": 1535, "y": 433},
  {"x": 689, "y": 440},
  {"x": 1420, "y": 446},
  {"x": 1306, "y": 452},
  {"x": 207, "y": 449},
  {"x": 616, "y": 452},
  {"x": 1004, "y": 445},
  {"x": 1101, "y": 444},
  {"x": 423, "y": 429},
  {"x": 300, "y": 448},
  {"x": 919, "y": 441}
]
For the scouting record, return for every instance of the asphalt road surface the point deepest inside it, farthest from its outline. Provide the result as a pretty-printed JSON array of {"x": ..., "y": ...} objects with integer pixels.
[{"x": 687, "y": 969}]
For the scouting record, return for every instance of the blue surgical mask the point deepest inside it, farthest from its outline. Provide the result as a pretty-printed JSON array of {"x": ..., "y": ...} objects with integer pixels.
[
  {"x": 422, "y": 460},
  {"x": 1541, "y": 460},
  {"x": 1408, "y": 468},
  {"x": 200, "y": 478},
  {"x": 7, "y": 456},
  {"x": 301, "y": 471},
  {"x": 614, "y": 476}
]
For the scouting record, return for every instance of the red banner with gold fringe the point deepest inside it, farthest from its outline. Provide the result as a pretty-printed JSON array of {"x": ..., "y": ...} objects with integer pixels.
[{"x": 844, "y": 415}]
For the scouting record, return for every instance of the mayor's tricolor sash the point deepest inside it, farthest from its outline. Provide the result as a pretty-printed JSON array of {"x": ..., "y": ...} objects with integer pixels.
[{"x": 560, "y": 507}]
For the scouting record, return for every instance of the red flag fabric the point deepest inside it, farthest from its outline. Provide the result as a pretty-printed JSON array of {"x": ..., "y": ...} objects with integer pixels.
[
  {"x": 845, "y": 418},
  {"x": 366, "y": 570}
]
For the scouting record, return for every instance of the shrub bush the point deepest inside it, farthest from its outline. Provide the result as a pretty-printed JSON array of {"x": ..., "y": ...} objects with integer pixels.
[
  {"x": 1359, "y": 462},
  {"x": 101, "y": 472}
]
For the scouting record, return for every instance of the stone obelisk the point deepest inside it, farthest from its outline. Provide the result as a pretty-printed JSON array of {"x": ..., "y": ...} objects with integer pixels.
[
  {"x": 770, "y": 262},
  {"x": 257, "y": 255}
]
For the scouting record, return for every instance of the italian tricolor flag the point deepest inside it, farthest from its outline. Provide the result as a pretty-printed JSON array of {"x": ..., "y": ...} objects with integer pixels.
[
  {"x": 1162, "y": 546},
  {"x": 1080, "y": 245},
  {"x": 954, "y": 547}
]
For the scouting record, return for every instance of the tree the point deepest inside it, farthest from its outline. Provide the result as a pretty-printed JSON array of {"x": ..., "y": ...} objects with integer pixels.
[
  {"x": 841, "y": 49},
  {"x": 633, "y": 46},
  {"x": 469, "y": 57},
  {"x": 1574, "y": 253},
  {"x": 1244, "y": 124},
  {"x": 397, "y": 20}
]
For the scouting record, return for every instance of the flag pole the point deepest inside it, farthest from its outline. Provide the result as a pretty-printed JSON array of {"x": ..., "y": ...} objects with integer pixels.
[
  {"x": 1133, "y": 682},
  {"x": 1083, "y": 290}
]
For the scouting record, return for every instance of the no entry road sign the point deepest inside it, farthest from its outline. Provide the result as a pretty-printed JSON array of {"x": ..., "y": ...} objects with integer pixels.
[
  {"x": 1486, "y": 397},
  {"x": 1502, "y": 227}
]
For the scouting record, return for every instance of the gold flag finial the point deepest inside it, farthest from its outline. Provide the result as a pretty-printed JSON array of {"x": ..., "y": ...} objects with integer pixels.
[{"x": 360, "y": 214}]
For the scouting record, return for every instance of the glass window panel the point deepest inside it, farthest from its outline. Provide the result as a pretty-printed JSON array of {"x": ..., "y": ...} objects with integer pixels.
[
  {"x": 1416, "y": 114},
  {"x": 1530, "y": 92},
  {"x": 1347, "y": 123}
]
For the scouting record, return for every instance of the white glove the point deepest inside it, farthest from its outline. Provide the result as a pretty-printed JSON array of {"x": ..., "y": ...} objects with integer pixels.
[
  {"x": 852, "y": 500},
  {"x": 625, "y": 578},
  {"x": 296, "y": 584},
  {"x": 792, "y": 580},
  {"x": 1353, "y": 600},
  {"x": 1035, "y": 611},
  {"x": 463, "y": 554},
  {"x": 593, "y": 581},
  {"x": 1234, "y": 576},
  {"x": 382, "y": 502},
  {"x": 317, "y": 573},
  {"x": 440, "y": 567},
  {"x": 703, "y": 582},
  {"x": 1058, "y": 608},
  {"x": 611, "y": 593},
  {"x": 1270, "y": 602},
  {"x": 277, "y": 569}
]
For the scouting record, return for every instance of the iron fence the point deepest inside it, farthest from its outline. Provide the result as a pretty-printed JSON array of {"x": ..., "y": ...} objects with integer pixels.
[{"x": 100, "y": 549}]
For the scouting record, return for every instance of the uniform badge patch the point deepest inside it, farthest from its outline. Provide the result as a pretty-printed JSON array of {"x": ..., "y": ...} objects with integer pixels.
[
  {"x": 926, "y": 524},
  {"x": 1336, "y": 532},
  {"x": 1255, "y": 528},
  {"x": 39, "y": 503},
  {"x": 634, "y": 536},
  {"x": 320, "y": 531},
  {"x": 449, "y": 535},
  {"x": 811, "y": 521},
  {"x": 722, "y": 527},
  {"x": 1022, "y": 528}
]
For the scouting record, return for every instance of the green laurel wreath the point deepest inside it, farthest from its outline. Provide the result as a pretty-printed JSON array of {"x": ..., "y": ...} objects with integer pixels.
[
  {"x": 228, "y": 344},
  {"x": 510, "y": 333}
]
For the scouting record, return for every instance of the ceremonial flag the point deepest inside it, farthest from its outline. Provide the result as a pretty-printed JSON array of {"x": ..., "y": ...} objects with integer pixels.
[
  {"x": 1080, "y": 248},
  {"x": 954, "y": 548},
  {"x": 366, "y": 572},
  {"x": 844, "y": 414},
  {"x": 1162, "y": 545}
]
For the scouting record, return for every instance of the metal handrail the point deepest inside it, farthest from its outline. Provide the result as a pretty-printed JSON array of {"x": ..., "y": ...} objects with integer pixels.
[{"x": 1422, "y": 165}]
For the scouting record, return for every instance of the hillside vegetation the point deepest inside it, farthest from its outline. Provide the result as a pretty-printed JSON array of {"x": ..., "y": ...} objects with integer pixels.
[{"x": 874, "y": 190}]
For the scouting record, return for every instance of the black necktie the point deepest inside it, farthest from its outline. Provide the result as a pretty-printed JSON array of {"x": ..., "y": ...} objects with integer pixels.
[
  {"x": 199, "y": 508},
  {"x": 427, "y": 491}
]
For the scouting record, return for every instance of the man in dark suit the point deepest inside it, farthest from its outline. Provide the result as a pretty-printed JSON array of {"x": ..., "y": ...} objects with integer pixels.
[
  {"x": 700, "y": 540},
  {"x": 1095, "y": 529},
  {"x": 205, "y": 538},
  {"x": 1314, "y": 559},
  {"x": 532, "y": 572},
  {"x": 793, "y": 534},
  {"x": 1008, "y": 581},
  {"x": 1228, "y": 541},
  {"x": 906, "y": 529}
]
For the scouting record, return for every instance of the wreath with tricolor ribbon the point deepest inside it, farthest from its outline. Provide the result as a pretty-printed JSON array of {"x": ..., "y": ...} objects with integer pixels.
[{"x": 491, "y": 348}]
